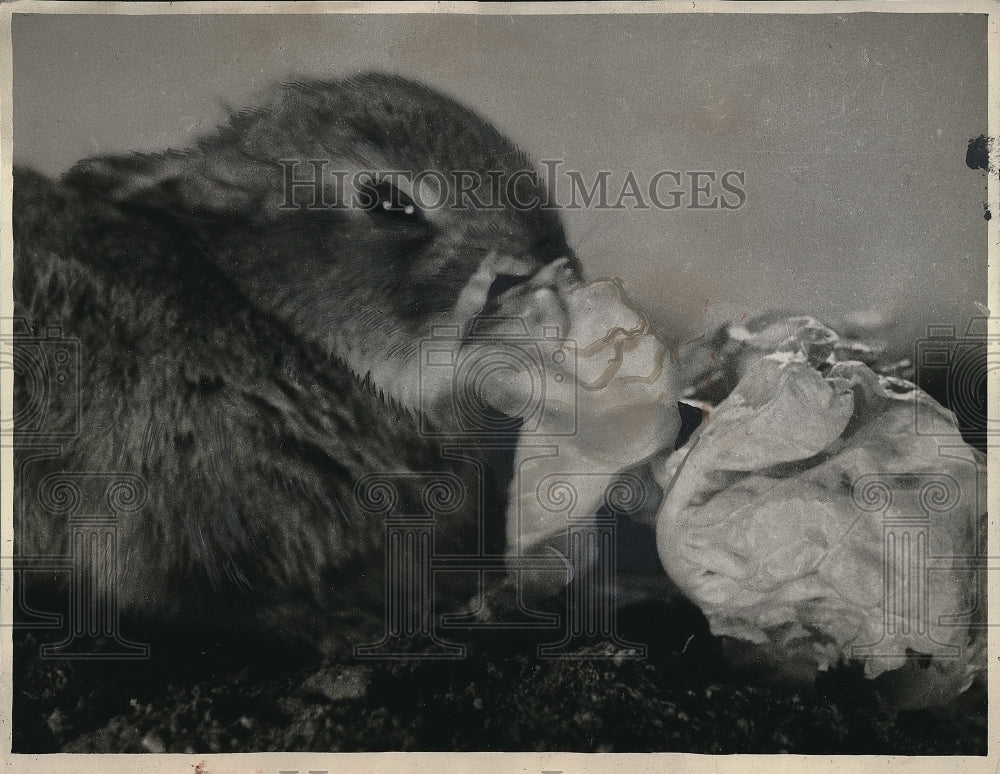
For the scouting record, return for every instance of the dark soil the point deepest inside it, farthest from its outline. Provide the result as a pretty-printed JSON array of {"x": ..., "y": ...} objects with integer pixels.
[{"x": 210, "y": 697}]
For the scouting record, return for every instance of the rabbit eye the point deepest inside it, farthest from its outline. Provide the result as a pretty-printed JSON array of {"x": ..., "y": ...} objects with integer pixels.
[{"x": 386, "y": 202}]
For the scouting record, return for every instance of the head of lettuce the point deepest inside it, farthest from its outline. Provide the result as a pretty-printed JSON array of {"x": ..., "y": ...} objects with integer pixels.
[{"x": 813, "y": 524}]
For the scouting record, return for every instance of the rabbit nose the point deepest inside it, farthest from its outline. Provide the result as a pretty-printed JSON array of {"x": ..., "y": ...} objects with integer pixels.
[{"x": 558, "y": 273}]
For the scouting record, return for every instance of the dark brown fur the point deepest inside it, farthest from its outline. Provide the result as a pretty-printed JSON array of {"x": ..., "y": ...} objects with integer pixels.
[{"x": 213, "y": 327}]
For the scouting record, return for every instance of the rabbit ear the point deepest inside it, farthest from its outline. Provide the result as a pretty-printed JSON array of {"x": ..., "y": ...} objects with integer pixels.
[
  {"x": 247, "y": 169},
  {"x": 189, "y": 185}
]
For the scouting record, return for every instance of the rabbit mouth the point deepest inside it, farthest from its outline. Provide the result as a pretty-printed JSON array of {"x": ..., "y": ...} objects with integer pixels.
[{"x": 501, "y": 285}]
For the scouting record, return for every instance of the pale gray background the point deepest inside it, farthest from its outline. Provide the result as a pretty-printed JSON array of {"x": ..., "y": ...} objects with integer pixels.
[{"x": 852, "y": 130}]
